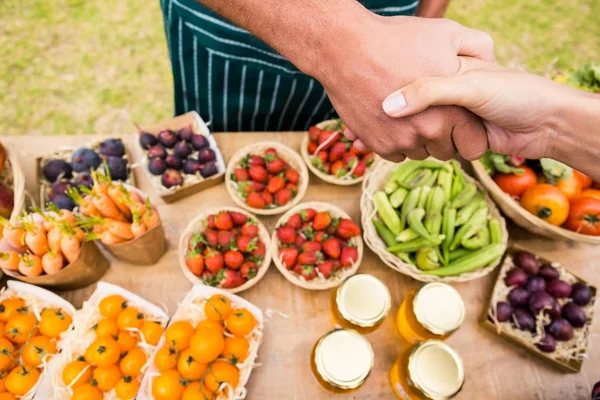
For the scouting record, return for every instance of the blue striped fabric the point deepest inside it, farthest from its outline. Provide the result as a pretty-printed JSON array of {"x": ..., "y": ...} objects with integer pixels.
[{"x": 236, "y": 81}]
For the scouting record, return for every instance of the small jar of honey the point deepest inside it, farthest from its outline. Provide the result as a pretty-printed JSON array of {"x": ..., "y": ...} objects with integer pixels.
[
  {"x": 342, "y": 360},
  {"x": 434, "y": 311},
  {"x": 361, "y": 303},
  {"x": 430, "y": 370}
]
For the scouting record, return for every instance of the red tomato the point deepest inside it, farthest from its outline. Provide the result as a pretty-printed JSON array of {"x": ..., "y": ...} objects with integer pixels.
[
  {"x": 593, "y": 193},
  {"x": 571, "y": 187},
  {"x": 516, "y": 185},
  {"x": 584, "y": 216},
  {"x": 585, "y": 180}
]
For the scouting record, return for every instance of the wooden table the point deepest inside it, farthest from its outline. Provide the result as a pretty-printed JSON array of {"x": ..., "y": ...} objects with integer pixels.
[{"x": 495, "y": 368}]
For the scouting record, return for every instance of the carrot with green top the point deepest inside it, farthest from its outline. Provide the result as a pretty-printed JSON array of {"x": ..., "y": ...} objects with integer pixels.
[
  {"x": 115, "y": 192},
  {"x": 116, "y": 228},
  {"x": 86, "y": 205},
  {"x": 150, "y": 218},
  {"x": 70, "y": 246},
  {"x": 105, "y": 206},
  {"x": 54, "y": 237},
  {"x": 35, "y": 236},
  {"x": 14, "y": 235},
  {"x": 52, "y": 261},
  {"x": 30, "y": 265},
  {"x": 138, "y": 228},
  {"x": 9, "y": 260}
]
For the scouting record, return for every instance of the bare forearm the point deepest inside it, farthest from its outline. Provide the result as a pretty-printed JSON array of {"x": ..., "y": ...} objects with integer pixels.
[{"x": 432, "y": 8}]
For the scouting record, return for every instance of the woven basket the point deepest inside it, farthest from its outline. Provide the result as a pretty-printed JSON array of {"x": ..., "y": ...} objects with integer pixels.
[
  {"x": 191, "y": 309},
  {"x": 374, "y": 182},
  {"x": 326, "y": 177},
  {"x": 198, "y": 225},
  {"x": 12, "y": 176},
  {"x": 318, "y": 283},
  {"x": 286, "y": 154},
  {"x": 524, "y": 218}
]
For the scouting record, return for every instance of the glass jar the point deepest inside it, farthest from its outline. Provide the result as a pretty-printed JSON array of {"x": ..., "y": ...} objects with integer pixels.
[
  {"x": 434, "y": 311},
  {"x": 361, "y": 303},
  {"x": 342, "y": 360},
  {"x": 430, "y": 370}
]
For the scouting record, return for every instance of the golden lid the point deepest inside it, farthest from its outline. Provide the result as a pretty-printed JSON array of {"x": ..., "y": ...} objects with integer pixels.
[
  {"x": 344, "y": 358},
  {"x": 436, "y": 370},
  {"x": 363, "y": 300},
  {"x": 439, "y": 308}
]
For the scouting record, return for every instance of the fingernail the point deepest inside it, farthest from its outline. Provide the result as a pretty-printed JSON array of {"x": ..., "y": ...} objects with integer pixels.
[{"x": 394, "y": 104}]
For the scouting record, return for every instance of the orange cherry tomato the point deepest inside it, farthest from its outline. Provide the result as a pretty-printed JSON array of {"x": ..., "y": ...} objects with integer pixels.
[
  {"x": 21, "y": 327},
  {"x": 585, "y": 180},
  {"x": 107, "y": 378},
  {"x": 112, "y": 306},
  {"x": 168, "y": 386},
  {"x": 133, "y": 362},
  {"x": 53, "y": 322},
  {"x": 3, "y": 376},
  {"x": 209, "y": 325},
  {"x": 127, "y": 388},
  {"x": 217, "y": 307},
  {"x": 222, "y": 371},
  {"x": 7, "y": 353},
  {"x": 130, "y": 318},
  {"x": 591, "y": 193},
  {"x": 107, "y": 328},
  {"x": 127, "y": 341},
  {"x": 72, "y": 371},
  {"x": 37, "y": 350},
  {"x": 236, "y": 349},
  {"x": 240, "y": 322},
  {"x": 87, "y": 391},
  {"x": 570, "y": 186},
  {"x": 166, "y": 359},
  {"x": 585, "y": 216},
  {"x": 2, "y": 327},
  {"x": 11, "y": 307},
  {"x": 151, "y": 332},
  {"x": 178, "y": 334},
  {"x": 7, "y": 396},
  {"x": 21, "y": 379},
  {"x": 194, "y": 391},
  {"x": 189, "y": 368},
  {"x": 104, "y": 352},
  {"x": 516, "y": 185},
  {"x": 546, "y": 202},
  {"x": 207, "y": 346}
]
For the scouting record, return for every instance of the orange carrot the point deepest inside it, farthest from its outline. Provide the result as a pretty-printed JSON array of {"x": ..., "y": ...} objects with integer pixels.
[
  {"x": 36, "y": 239},
  {"x": 86, "y": 206},
  {"x": 119, "y": 229},
  {"x": 54, "y": 237},
  {"x": 150, "y": 218},
  {"x": 52, "y": 262},
  {"x": 62, "y": 215},
  {"x": 108, "y": 208},
  {"x": 79, "y": 234},
  {"x": 137, "y": 226},
  {"x": 30, "y": 265},
  {"x": 70, "y": 247},
  {"x": 9, "y": 260},
  {"x": 15, "y": 236},
  {"x": 49, "y": 221},
  {"x": 116, "y": 195},
  {"x": 109, "y": 238}
]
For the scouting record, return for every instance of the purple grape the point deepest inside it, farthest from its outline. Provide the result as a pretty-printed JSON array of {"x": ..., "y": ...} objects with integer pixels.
[
  {"x": 186, "y": 133},
  {"x": 157, "y": 152},
  {"x": 535, "y": 284},
  {"x": 548, "y": 272},
  {"x": 558, "y": 289},
  {"x": 174, "y": 161},
  {"x": 206, "y": 155},
  {"x": 518, "y": 297},
  {"x": 574, "y": 314},
  {"x": 157, "y": 166},
  {"x": 581, "y": 294},
  {"x": 182, "y": 149},
  {"x": 171, "y": 178},
  {"x": 524, "y": 320},
  {"x": 556, "y": 310},
  {"x": 112, "y": 147},
  {"x": 540, "y": 301},
  {"x": 561, "y": 329},
  {"x": 526, "y": 261},
  {"x": 167, "y": 138},
  {"x": 515, "y": 277},
  {"x": 191, "y": 166},
  {"x": 199, "y": 142},
  {"x": 55, "y": 169},
  {"x": 85, "y": 159},
  {"x": 547, "y": 344},
  {"x": 503, "y": 311},
  {"x": 147, "y": 140},
  {"x": 209, "y": 169}
]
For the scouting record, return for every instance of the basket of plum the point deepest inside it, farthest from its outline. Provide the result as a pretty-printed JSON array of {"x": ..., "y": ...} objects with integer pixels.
[{"x": 541, "y": 306}]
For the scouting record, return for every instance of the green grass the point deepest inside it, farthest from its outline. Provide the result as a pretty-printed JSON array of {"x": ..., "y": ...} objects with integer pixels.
[{"x": 95, "y": 66}]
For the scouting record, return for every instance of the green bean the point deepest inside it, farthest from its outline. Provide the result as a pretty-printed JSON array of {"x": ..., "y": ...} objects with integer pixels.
[
  {"x": 456, "y": 188},
  {"x": 495, "y": 231},
  {"x": 458, "y": 253},
  {"x": 387, "y": 213},
  {"x": 458, "y": 172},
  {"x": 467, "y": 211},
  {"x": 427, "y": 259},
  {"x": 431, "y": 164},
  {"x": 404, "y": 257},
  {"x": 410, "y": 203},
  {"x": 406, "y": 235},
  {"x": 445, "y": 182},
  {"x": 397, "y": 198},
  {"x": 416, "y": 179},
  {"x": 402, "y": 171},
  {"x": 390, "y": 187},
  {"x": 474, "y": 261},
  {"x": 479, "y": 239},
  {"x": 415, "y": 245},
  {"x": 425, "y": 190},
  {"x": 448, "y": 225},
  {"x": 433, "y": 223},
  {"x": 386, "y": 235},
  {"x": 415, "y": 221},
  {"x": 441, "y": 256},
  {"x": 478, "y": 220},
  {"x": 465, "y": 196},
  {"x": 431, "y": 179}
]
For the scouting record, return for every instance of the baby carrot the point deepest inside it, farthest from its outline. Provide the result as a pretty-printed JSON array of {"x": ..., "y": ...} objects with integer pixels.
[
  {"x": 30, "y": 265},
  {"x": 9, "y": 260},
  {"x": 119, "y": 229},
  {"x": 116, "y": 195},
  {"x": 36, "y": 239},
  {"x": 70, "y": 247},
  {"x": 108, "y": 208},
  {"x": 109, "y": 238},
  {"x": 86, "y": 206},
  {"x": 137, "y": 226},
  {"x": 54, "y": 237},
  {"x": 15, "y": 236},
  {"x": 52, "y": 262},
  {"x": 150, "y": 218}
]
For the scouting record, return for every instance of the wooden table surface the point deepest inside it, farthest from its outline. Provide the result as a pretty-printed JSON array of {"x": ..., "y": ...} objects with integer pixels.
[{"x": 495, "y": 369}]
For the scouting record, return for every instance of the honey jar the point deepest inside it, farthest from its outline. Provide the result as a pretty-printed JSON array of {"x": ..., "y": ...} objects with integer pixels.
[
  {"x": 430, "y": 370},
  {"x": 361, "y": 303},
  {"x": 342, "y": 360},
  {"x": 434, "y": 311}
]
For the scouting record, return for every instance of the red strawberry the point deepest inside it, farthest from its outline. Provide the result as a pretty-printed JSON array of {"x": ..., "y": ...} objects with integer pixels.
[
  {"x": 350, "y": 159},
  {"x": 223, "y": 221},
  {"x": 312, "y": 147},
  {"x": 308, "y": 272},
  {"x": 260, "y": 250},
  {"x": 225, "y": 238},
  {"x": 287, "y": 235},
  {"x": 213, "y": 261},
  {"x": 323, "y": 156},
  {"x": 293, "y": 187},
  {"x": 336, "y": 264},
  {"x": 311, "y": 247},
  {"x": 250, "y": 186},
  {"x": 211, "y": 237},
  {"x": 308, "y": 214},
  {"x": 347, "y": 229},
  {"x": 332, "y": 228},
  {"x": 195, "y": 262},
  {"x": 320, "y": 236},
  {"x": 255, "y": 200},
  {"x": 310, "y": 258},
  {"x": 326, "y": 269},
  {"x": 245, "y": 244},
  {"x": 332, "y": 247},
  {"x": 313, "y": 133},
  {"x": 337, "y": 169},
  {"x": 321, "y": 221},
  {"x": 275, "y": 166},
  {"x": 257, "y": 173},
  {"x": 360, "y": 169},
  {"x": 337, "y": 151},
  {"x": 210, "y": 222},
  {"x": 253, "y": 160},
  {"x": 248, "y": 270},
  {"x": 283, "y": 196},
  {"x": 292, "y": 175},
  {"x": 267, "y": 197},
  {"x": 327, "y": 168},
  {"x": 288, "y": 256},
  {"x": 229, "y": 279},
  {"x": 368, "y": 159},
  {"x": 326, "y": 136},
  {"x": 208, "y": 278},
  {"x": 295, "y": 222},
  {"x": 238, "y": 218},
  {"x": 250, "y": 229},
  {"x": 271, "y": 151},
  {"x": 233, "y": 259},
  {"x": 275, "y": 184},
  {"x": 300, "y": 240},
  {"x": 348, "y": 256},
  {"x": 240, "y": 175}
]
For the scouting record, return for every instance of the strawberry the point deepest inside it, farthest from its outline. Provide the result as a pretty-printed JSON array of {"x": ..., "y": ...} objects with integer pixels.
[
  {"x": 211, "y": 237},
  {"x": 223, "y": 221},
  {"x": 337, "y": 169},
  {"x": 320, "y": 236},
  {"x": 348, "y": 256},
  {"x": 326, "y": 269},
  {"x": 312, "y": 147},
  {"x": 288, "y": 256},
  {"x": 313, "y": 133},
  {"x": 257, "y": 173},
  {"x": 326, "y": 136},
  {"x": 248, "y": 270},
  {"x": 332, "y": 247},
  {"x": 210, "y": 222},
  {"x": 347, "y": 229},
  {"x": 270, "y": 151},
  {"x": 293, "y": 187},
  {"x": 332, "y": 228},
  {"x": 252, "y": 160},
  {"x": 255, "y": 200},
  {"x": 368, "y": 159},
  {"x": 260, "y": 250},
  {"x": 321, "y": 221},
  {"x": 323, "y": 156},
  {"x": 196, "y": 242},
  {"x": 311, "y": 247},
  {"x": 300, "y": 240},
  {"x": 275, "y": 184},
  {"x": 213, "y": 261},
  {"x": 308, "y": 272},
  {"x": 240, "y": 175},
  {"x": 267, "y": 197},
  {"x": 308, "y": 214},
  {"x": 350, "y": 159},
  {"x": 353, "y": 150},
  {"x": 295, "y": 221},
  {"x": 250, "y": 229},
  {"x": 233, "y": 259},
  {"x": 283, "y": 196},
  {"x": 229, "y": 279},
  {"x": 292, "y": 175},
  {"x": 327, "y": 168},
  {"x": 245, "y": 244},
  {"x": 309, "y": 258},
  {"x": 248, "y": 187},
  {"x": 275, "y": 166},
  {"x": 337, "y": 151},
  {"x": 287, "y": 235},
  {"x": 225, "y": 238},
  {"x": 238, "y": 218},
  {"x": 195, "y": 262},
  {"x": 360, "y": 169},
  {"x": 208, "y": 278}
]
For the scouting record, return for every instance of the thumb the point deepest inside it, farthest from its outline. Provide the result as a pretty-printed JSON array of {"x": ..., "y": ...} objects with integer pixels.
[{"x": 476, "y": 44}]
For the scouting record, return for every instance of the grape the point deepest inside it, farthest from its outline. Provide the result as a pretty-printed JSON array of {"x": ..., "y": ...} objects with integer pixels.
[
  {"x": 548, "y": 272},
  {"x": 581, "y": 294},
  {"x": 539, "y": 301},
  {"x": 547, "y": 344},
  {"x": 518, "y": 297},
  {"x": 525, "y": 320},
  {"x": 535, "y": 284},
  {"x": 556, "y": 310},
  {"x": 503, "y": 311},
  {"x": 558, "y": 289},
  {"x": 515, "y": 277},
  {"x": 574, "y": 314},
  {"x": 561, "y": 329},
  {"x": 527, "y": 262}
]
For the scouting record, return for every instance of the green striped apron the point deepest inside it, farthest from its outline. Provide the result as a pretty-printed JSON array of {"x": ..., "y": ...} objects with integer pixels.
[{"x": 237, "y": 82}]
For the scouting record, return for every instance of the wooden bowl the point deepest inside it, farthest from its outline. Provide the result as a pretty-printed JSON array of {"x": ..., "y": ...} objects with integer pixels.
[
  {"x": 198, "y": 225},
  {"x": 318, "y": 283},
  {"x": 520, "y": 216},
  {"x": 286, "y": 154},
  {"x": 375, "y": 182}
]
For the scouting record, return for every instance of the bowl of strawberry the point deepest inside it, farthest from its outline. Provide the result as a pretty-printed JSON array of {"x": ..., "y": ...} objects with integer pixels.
[
  {"x": 316, "y": 246},
  {"x": 225, "y": 248},
  {"x": 331, "y": 157},
  {"x": 266, "y": 178}
]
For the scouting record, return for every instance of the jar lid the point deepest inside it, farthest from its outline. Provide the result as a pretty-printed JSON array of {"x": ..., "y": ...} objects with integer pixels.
[
  {"x": 439, "y": 308},
  {"x": 363, "y": 300},
  {"x": 436, "y": 370},
  {"x": 344, "y": 358}
]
